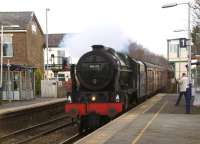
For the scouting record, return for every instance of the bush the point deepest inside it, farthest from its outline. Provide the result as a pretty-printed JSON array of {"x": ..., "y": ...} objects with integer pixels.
[{"x": 38, "y": 78}]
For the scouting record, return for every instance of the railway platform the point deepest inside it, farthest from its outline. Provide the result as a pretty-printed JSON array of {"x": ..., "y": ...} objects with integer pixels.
[
  {"x": 156, "y": 121},
  {"x": 28, "y": 104},
  {"x": 22, "y": 114}
]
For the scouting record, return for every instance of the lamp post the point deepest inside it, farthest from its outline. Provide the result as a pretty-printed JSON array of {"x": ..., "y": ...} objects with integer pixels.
[
  {"x": 2, "y": 29},
  {"x": 1, "y": 56},
  {"x": 9, "y": 82},
  {"x": 189, "y": 89},
  {"x": 47, "y": 42}
]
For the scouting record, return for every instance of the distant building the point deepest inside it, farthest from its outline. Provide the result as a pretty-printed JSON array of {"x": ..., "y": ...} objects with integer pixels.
[
  {"x": 177, "y": 55},
  {"x": 23, "y": 50},
  {"x": 57, "y": 53}
]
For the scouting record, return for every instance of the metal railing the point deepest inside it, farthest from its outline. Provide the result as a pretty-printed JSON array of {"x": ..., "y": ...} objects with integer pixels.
[{"x": 17, "y": 85}]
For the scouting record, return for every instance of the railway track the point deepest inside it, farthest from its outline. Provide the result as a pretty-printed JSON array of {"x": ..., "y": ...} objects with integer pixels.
[
  {"x": 71, "y": 139},
  {"x": 75, "y": 138},
  {"x": 37, "y": 131}
]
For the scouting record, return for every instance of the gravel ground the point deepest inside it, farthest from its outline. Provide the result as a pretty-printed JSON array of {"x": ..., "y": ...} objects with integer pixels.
[{"x": 58, "y": 136}]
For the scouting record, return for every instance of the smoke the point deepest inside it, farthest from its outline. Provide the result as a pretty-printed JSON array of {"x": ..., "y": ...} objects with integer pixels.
[{"x": 78, "y": 44}]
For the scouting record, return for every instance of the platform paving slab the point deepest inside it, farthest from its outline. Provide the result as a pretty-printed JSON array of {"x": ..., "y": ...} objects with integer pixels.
[{"x": 156, "y": 121}]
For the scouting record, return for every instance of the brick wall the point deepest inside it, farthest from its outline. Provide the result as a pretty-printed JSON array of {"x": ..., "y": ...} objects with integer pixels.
[
  {"x": 19, "y": 49},
  {"x": 27, "y": 48},
  {"x": 35, "y": 42}
]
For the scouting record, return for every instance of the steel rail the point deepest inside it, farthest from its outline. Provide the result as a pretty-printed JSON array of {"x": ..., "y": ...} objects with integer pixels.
[
  {"x": 32, "y": 127},
  {"x": 70, "y": 139},
  {"x": 44, "y": 133}
]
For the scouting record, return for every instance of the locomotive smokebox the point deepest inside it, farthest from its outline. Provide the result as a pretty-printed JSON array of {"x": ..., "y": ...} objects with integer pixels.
[{"x": 95, "y": 69}]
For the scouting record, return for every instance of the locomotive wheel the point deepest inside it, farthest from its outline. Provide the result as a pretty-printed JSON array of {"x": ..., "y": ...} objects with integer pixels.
[
  {"x": 93, "y": 121},
  {"x": 137, "y": 101},
  {"x": 81, "y": 125},
  {"x": 126, "y": 102}
]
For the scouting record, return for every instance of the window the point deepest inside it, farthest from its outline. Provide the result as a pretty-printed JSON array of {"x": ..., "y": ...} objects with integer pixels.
[
  {"x": 61, "y": 77},
  {"x": 7, "y": 45},
  {"x": 178, "y": 50},
  {"x": 33, "y": 27},
  {"x": 170, "y": 48}
]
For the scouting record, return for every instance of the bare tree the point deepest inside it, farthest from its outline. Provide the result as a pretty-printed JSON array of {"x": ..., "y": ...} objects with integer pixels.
[
  {"x": 138, "y": 52},
  {"x": 196, "y": 12},
  {"x": 196, "y": 27}
]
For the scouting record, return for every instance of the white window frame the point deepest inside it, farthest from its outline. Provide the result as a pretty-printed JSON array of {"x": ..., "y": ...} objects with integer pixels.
[{"x": 7, "y": 38}]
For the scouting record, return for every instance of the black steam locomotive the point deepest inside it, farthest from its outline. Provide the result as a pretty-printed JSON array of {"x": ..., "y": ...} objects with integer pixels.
[{"x": 106, "y": 83}]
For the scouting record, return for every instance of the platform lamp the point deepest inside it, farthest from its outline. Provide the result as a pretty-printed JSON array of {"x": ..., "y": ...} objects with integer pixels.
[
  {"x": 2, "y": 29},
  {"x": 189, "y": 89}
]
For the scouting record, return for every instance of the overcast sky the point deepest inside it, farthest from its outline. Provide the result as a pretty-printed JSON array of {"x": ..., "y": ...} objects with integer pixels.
[{"x": 143, "y": 21}]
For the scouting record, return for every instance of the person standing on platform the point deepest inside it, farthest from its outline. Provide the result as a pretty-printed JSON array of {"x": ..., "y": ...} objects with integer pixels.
[{"x": 182, "y": 87}]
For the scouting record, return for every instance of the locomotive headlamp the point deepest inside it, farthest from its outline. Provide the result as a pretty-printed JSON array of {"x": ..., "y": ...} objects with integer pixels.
[
  {"x": 93, "y": 98},
  {"x": 69, "y": 99},
  {"x": 117, "y": 98}
]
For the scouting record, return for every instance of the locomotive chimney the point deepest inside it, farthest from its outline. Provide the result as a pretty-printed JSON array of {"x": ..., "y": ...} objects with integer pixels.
[{"x": 98, "y": 47}]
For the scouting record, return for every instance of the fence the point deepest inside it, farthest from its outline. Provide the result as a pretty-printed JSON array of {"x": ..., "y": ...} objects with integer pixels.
[{"x": 18, "y": 85}]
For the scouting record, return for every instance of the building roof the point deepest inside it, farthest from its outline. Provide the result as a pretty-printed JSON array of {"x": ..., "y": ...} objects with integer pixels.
[
  {"x": 55, "y": 40},
  {"x": 17, "y": 18}
]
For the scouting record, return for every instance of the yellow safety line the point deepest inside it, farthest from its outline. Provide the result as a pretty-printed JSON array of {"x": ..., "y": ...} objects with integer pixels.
[{"x": 148, "y": 124}]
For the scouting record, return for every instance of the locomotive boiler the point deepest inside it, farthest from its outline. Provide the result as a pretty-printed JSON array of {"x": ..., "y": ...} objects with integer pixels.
[{"x": 104, "y": 75}]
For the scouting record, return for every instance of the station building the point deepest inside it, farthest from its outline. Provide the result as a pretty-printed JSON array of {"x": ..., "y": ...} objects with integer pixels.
[
  {"x": 177, "y": 55},
  {"x": 56, "y": 54},
  {"x": 22, "y": 54}
]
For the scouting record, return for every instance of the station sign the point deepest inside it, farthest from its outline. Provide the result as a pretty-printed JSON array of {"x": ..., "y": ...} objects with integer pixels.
[{"x": 183, "y": 42}]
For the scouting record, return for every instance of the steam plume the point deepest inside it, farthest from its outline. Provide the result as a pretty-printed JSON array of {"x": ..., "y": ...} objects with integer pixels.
[{"x": 110, "y": 36}]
